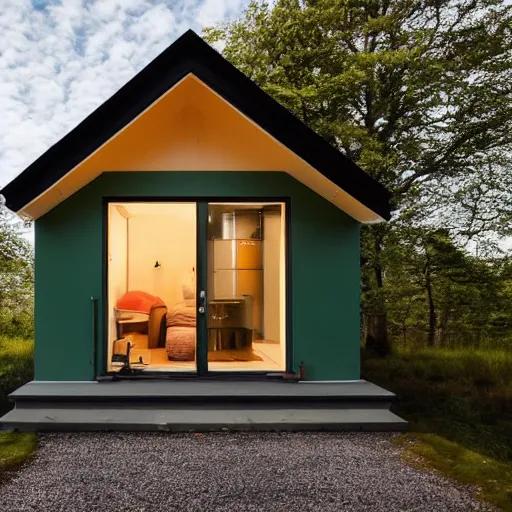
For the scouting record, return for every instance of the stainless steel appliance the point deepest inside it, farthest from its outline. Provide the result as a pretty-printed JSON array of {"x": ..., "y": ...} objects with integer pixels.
[
  {"x": 236, "y": 260},
  {"x": 230, "y": 324}
]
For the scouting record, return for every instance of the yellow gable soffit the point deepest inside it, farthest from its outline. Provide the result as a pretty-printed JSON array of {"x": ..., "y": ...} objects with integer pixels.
[{"x": 192, "y": 128}]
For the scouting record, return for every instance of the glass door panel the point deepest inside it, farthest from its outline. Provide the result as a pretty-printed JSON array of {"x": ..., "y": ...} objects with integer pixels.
[
  {"x": 151, "y": 285},
  {"x": 245, "y": 274}
]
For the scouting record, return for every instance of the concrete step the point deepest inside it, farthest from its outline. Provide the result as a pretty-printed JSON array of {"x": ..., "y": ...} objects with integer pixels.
[
  {"x": 201, "y": 405},
  {"x": 200, "y": 419},
  {"x": 211, "y": 391},
  {"x": 198, "y": 402}
]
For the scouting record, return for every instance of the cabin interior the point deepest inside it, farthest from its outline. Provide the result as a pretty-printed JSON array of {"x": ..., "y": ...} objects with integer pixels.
[{"x": 152, "y": 302}]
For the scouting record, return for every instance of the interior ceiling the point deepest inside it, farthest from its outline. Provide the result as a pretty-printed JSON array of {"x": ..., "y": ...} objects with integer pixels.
[
  {"x": 230, "y": 207},
  {"x": 155, "y": 209},
  {"x": 159, "y": 209},
  {"x": 190, "y": 128}
]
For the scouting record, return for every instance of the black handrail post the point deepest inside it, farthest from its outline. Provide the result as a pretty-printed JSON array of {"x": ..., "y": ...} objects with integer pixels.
[{"x": 94, "y": 302}]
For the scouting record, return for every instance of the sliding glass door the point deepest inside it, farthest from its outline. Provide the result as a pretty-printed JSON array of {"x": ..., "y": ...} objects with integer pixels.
[
  {"x": 245, "y": 255},
  {"x": 196, "y": 287}
]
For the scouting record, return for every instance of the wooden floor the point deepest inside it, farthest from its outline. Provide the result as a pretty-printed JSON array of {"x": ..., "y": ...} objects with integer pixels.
[{"x": 156, "y": 360}]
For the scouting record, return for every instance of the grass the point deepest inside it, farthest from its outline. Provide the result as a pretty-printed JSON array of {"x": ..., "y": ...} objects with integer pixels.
[
  {"x": 492, "y": 478},
  {"x": 16, "y": 367},
  {"x": 15, "y": 449},
  {"x": 459, "y": 405}
]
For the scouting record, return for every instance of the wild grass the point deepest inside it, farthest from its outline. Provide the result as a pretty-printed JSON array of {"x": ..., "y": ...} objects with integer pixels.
[
  {"x": 463, "y": 395},
  {"x": 459, "y": 405},
  {"x": 16, "y": 367}
]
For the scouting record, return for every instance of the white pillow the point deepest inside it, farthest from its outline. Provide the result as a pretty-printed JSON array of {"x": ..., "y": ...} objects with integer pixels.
[{"x": 188, "y": 292}]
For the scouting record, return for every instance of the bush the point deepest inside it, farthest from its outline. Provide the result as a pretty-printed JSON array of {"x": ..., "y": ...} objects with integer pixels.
[
  {"x": 18, "y": 324},
  {"x": 16, "y": 367}
]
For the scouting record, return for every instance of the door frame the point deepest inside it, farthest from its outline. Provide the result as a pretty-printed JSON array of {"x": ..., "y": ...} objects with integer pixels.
[{"x": 201, "y": 279}]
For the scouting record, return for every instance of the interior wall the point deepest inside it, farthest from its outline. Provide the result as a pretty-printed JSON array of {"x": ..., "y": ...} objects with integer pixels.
[
  {"x": 170, "y": 239},
  {"x": 271, "y": 276},
  {"x": 117, "y": 263}
]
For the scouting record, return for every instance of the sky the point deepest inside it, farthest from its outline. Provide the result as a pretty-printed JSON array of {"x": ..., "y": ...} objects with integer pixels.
[{"x": 61, "y": 59}]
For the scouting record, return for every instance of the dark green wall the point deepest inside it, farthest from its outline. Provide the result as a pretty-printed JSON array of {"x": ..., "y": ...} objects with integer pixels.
[{"x": 324, "y": 259}]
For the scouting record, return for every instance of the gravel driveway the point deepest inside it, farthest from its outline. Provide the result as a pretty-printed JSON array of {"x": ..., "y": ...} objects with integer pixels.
[{"x": 227, "y": 472}]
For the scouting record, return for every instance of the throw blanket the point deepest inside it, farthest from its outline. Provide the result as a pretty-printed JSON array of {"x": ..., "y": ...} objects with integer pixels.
[
  {"x": 140, "y": 302},
  {"x": 182, "y": 316}
]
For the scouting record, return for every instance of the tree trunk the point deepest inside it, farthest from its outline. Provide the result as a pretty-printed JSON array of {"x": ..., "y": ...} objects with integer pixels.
[
  {"x": 443, "y": 326},
  {"x": 377, "y": 334},
  {"x": 377, "y": 322},
  {"x": 432, "y": 315},
  {"x": 364, "y": 326}
]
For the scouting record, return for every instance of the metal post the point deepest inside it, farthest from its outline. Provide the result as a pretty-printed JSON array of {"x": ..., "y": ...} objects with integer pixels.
[{"x": 94, "y": 363}]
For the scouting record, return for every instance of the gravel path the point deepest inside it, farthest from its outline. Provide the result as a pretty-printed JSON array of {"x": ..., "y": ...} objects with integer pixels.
[{"x": 227, "y": 472}]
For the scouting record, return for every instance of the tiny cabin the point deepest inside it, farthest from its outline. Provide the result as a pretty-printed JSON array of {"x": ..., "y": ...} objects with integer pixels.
[{"x": 192, "y": 226}]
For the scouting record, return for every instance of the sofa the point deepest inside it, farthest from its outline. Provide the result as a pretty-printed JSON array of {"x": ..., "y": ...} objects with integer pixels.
[{"x": 142, "y": 312}]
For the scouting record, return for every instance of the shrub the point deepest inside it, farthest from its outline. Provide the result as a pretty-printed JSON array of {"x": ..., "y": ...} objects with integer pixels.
[{"x": 19, "y": 324}]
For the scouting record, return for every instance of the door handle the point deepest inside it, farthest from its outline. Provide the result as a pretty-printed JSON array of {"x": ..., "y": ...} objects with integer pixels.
[{"x": 202, "y": 302}]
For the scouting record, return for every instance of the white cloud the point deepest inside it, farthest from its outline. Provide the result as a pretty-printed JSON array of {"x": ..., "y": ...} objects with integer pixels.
[{"x": 59, "y": 60}]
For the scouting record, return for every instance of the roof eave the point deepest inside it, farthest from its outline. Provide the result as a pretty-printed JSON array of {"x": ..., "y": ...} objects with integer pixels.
[{"x": 190, "y": 54}]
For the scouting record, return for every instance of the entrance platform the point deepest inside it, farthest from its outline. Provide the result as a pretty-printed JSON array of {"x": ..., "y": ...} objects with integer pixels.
[{"x": 201, "y": 406}]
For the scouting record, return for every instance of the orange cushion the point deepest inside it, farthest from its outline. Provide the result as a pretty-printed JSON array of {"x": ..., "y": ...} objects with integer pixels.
[{"x": 138, "y": 301}]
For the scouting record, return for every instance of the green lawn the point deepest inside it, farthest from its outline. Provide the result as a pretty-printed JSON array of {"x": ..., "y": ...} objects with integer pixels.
[
  {"x": 16, "y": 368},
  {"x": 459, "y": 405}
]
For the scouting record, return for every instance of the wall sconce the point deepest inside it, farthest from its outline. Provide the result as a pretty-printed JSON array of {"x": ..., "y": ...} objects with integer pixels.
[{"x": 157, "y": 265}]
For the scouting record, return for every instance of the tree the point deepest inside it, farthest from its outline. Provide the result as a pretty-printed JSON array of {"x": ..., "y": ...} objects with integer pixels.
[
  {"x": 417, "y": 92},
  {"x": 438, "y": 295},
  {"x": 16, "y": 277}
]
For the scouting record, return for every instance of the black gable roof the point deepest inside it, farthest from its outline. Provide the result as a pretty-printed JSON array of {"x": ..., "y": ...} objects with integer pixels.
[{"x": 190, "y": 54}]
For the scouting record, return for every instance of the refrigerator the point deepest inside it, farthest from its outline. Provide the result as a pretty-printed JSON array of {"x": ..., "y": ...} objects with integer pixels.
[{"x": 237, "y": 266}]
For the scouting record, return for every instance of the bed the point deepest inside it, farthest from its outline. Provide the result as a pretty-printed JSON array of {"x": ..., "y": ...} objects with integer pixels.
[{"x": 180, "y": 339}]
